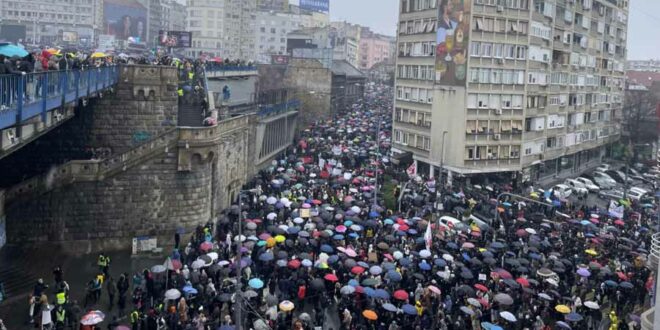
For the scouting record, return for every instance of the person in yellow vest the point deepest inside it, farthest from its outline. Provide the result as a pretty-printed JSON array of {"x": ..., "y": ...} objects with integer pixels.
[
  {"x": 104, "y": 263},
  {"x": 135, "y": 319},
  {"x": 179, "y": 91},
  {"x": 419, "y": 308},
  {"x": 614, "y": 321},
  {"x": 60, "y": 298},
  {"x": 61, "y": 317}
]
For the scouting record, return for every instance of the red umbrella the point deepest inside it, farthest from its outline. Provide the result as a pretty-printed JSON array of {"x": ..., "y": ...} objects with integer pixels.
[
  {"x": 619, "y": 222},
  {"x": 503, "y": 274},
  {"x": 481, "y": 287},
  {"x": 294, "y": 264},
  {"x": 324, "y": 175},
  {"x": 523, "y": 281},
  {"x": 357, "y": 270},
  {"x": 206, "y": 246},
  {"x": 400, "y": 295},
  {"x": 331, "y": 277},
  {"x": 316, "y": 202},
  {"x": 521, "y": 233},
  {"x": 622, "y": 276},
  {"x": 359, "y": 289},
  {"x": 176, "y": 264}
]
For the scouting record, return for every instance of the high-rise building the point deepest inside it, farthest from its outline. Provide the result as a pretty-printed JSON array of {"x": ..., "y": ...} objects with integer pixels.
[
  {"x": 271, "y": 30},
  {"x": 52, "y": 22},
  {"x": 375, "y": 48},
  {"x": 273, "y": 5},
  {"x": 525, "y": 87},
  {"x": 222, "y": 28}
]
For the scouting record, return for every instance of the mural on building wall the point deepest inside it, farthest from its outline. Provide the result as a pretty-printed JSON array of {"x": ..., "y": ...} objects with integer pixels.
[{"x": 452, "y": 40}]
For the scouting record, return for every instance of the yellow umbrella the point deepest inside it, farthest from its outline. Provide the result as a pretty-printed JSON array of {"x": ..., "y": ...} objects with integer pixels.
[
  {"x": 53, "y": 51},
  {"x": 591, "y": 252},
  {"x": 270, "y": 242},
  {"x": 286, "y": 306},
  {"x": 534, "y": 195},
  {"x": 98, "y": 55},
  {"x": 370, "y": 315},
  {"x": 563, "y": 309},
  {"x": 280, "y": 238}
]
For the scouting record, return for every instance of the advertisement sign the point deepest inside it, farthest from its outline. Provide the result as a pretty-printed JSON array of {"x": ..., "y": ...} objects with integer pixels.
[
  {"x": 70, "y": 36},
  {"x": 315, "y": 5},
  {"x": 144, "y": 244},
  {"x": 125, "y": 19},
  {"x": 279, "y": 59},
  {"x": 452, "y": 40},
  {"x": 174, "y": 39},
  {"x": 106, "y": 42}
]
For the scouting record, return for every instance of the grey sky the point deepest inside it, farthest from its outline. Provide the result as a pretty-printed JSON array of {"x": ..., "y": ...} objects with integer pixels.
[{"x": 381, "y": 16}]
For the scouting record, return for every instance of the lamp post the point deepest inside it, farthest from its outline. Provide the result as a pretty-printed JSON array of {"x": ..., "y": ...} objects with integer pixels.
[{"x": 442, "y": 157}]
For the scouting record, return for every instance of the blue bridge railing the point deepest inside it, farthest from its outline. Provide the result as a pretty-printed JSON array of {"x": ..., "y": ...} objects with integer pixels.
[
  {"x": 25, "y": 96},
  {"x": 277, "y": 108},
  {"x": 221, "y": 68}
]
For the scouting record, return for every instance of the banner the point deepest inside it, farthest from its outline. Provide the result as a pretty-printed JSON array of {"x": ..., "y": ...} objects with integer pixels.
[
  {"x": 615, "y": 211},
  {"x": 428, "y": 237},
  {"x": 315, "y": 5},
  {"x": 452, "y": 40},
  {"x": 411, "y": 170},
  {"x": 174, "y": 39}
]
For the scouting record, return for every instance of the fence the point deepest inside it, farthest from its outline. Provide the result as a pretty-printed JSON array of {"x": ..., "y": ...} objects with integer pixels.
[{"x": 25, "y": 96}]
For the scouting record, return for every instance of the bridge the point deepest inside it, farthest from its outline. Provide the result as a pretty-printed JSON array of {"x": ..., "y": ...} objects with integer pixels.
[{"x": 146, "y": 174}]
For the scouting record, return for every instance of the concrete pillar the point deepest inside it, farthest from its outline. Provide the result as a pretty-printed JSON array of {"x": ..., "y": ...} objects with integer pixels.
[
  {"x": 431, "y": 170},
  {"x": 415, "y": 163}
]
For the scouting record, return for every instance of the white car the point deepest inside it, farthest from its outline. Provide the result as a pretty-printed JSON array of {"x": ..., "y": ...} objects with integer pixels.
[
  {"x": 588, "y": 184},
  {"x": 603, "y": 168},
  {"x": 635, "y": 195},
  {"x": 562, "y": 191},
  {"x": 604, "y": 180},
  {"x": 640, "y": 190},
  {"x": 451, "y": 223},
  {"x": 578, "y": 187}
]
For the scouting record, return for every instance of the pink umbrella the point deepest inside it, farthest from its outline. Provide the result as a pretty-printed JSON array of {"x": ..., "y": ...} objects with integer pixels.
[
  {"x": 350, "y": 252},
  {"x": 206, "y": 246},
  {"x": 306, "y": 206},
  {"x": 434, "y": 289},
  {"x": 264, "y": 236},
  {"x": 619, "y": 222},
  {"x": 341, "y": 229}
]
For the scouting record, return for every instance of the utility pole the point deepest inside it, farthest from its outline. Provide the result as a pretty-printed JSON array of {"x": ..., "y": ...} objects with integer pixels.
[{"x": 442, "y": 157}]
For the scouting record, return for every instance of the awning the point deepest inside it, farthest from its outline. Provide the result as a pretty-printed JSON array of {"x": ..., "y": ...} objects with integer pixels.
[{"x": 402, "y": 158}]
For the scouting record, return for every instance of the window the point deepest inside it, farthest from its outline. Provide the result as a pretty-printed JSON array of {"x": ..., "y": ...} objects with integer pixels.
[
  {"x": 475, "y": 49},
  {"x": 486, "y": 49}
]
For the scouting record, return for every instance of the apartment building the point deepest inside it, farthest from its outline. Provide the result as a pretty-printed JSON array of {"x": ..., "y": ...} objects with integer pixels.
[
  {"x": 223, "y": 28},
  {"x": 525, "y": 88},
  {"x": 271, "y": 31}
]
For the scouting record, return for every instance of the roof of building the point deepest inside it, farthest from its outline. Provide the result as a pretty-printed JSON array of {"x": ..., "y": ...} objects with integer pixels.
[
  {"x": 645, "y": 78},
  {"x": 342, "y": 67}
]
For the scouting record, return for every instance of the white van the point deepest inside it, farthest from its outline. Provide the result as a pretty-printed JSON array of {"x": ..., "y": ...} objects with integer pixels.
[{"x": 450, "y": 223}]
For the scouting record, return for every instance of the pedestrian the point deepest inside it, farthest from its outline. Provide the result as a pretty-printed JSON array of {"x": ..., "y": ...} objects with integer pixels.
[
  {"x": 103, "y": 263},
  {"x": 112, "y": 291},
  {"x": 37, "y": 292}
]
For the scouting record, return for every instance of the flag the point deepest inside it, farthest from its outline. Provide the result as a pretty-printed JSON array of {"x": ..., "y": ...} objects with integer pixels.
[
  {"x": 615, "y": 211},
  {"x": 411, "y": 170},
  {"x": 428, "y": 237}
]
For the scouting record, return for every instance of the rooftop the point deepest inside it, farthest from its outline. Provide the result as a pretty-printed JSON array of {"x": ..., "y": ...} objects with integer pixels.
[{"x": 342, "y": 67}]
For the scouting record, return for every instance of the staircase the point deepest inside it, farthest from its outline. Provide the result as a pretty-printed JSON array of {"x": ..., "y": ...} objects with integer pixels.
[
  {"x": 190, "y": 114},
  {"x": 90, "y": 170}
]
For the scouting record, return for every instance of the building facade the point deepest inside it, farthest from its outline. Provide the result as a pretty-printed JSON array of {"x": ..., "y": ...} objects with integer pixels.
[
  {"x": 222, "y": 28},
  {"x": 376, "y": 48},
  {"x": 271, "y": 33},
  {"x": 526, "y": 87},
  {"x": 54, "y": 22},
  {"x": 644, "y": 65}
]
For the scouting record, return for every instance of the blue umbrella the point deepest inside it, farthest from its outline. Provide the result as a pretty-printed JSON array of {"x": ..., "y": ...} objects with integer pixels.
[
  {"x": 563, "y": 325},
  {"x": 556, "y": 203},
  {"x": 338, "y": 237},
  {"x": 440, "y": 262},
  {"x": 424, "y": 265},
  {"x": 353, "y": 235},
  {"x": 574, "y": 317},
  {"x": 490, "y": 326},
  {"x": 535, "y": 256},
  {"x": 452, "y": 245},
  {"x": 412, "y": 231},
  {"x": 353, "y": 282},
  {"x": 256, "y": 283},
  {"x": 388, "y": 266},
  {"x": 189, "y": 290},
  {"x": 375, "y": 270},
  {"x": 267, "y": 256},
  {"x": 506, "y": 204},
  {"x": 626, "y": 285},
  {"x": 293, "y": 230},
  {"x": 409, "y": 309},
  {"x": 611, "y": 283},
  {"x": 370, "y": 292},
  {"x": 497, "y": 245},
  {"x": 382, "y": 294},
  {"x": 585, "y": 222},
  {"x": 487, "y": 254},
  {"x": 374, "y": 214},
  {"x": 393, "y": 276},
  {"x": 466, "y": 257},
  {"x": 389, "y": 307},
  {"x": 404, "y": 261},
  {"x": 348, "y": 223},
  {"x": 10, "y": 50},
  {"x": 226, "y": 327},
  {"x": 363, "y": 264},
  {"x": 326, "y": 248},
  {"x": 333, "y": 258},
  {"x": 388, "y": 222}
]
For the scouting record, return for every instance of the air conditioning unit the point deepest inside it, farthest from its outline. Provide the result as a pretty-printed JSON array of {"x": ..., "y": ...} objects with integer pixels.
[
  {"x": 497, "y": 137},
  {"x": 498, "y": 111},
  {"x": 500, "y": 9}
]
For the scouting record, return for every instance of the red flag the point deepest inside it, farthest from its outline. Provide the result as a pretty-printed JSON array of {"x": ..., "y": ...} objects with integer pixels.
[{"x": 411, "y": 170}]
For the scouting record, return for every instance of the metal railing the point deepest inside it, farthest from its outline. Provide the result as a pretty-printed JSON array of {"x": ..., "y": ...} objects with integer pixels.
[
  {"x": 222, "y": 67},
  {"x": 654, "y": 254},
  {"x": 25, "y": 96},
  {"x": 277, "y": 108}
]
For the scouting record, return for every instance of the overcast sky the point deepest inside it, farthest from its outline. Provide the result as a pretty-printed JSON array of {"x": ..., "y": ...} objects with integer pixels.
[{"x": 381, "y": 16}]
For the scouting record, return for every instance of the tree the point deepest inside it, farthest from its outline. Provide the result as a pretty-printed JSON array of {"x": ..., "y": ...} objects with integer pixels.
[{"x": 639, "y": 118}]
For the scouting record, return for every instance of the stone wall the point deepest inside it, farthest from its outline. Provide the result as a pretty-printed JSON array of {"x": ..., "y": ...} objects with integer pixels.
[
  {"x": 143, "y": 105},
  {"x": 311, "y": 83}
]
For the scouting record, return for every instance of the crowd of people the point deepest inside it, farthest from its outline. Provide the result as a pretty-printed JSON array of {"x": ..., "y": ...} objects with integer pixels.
[{"x": 313, "y": 244}]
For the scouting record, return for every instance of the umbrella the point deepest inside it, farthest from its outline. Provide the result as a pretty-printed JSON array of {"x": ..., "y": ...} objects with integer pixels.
[
  {"x": 267, "y": 256},
  {"x": 256, "y": 283},
  {"x": 375, "y": 270},
  {"x": 434, "y": 289},
  {"x": 400, "y": 295},
  {"x": 474, "y": 302},
  {"x": 370, "y": 315},
  {"x": 205, "y": 246},
  {"x": 481, "y": 287},
  {"x": 467, "y": 310},
  {"x": 286, "y": 306},
  {"x": 92, "y": 318},
  {"x": 389, "y": 307},
  {"x": 563, "y": 309},
  {"x": 10, "y": 50},
  {"x": 490, "y": 326},
  {"x": 583, "y": 272},
  {"x": 331, "y": 277},
  {"x": 503, "y": 299},
  {"x": 508, "y": 316},
  {"x": 172, "y": 294},
  {"x": 98, "y": 55},
  {"x": 591, "y": 305},
  {"x": 346, "y": 290},
  {"x": 197, "y": 264},
  {"x": 574, "y": 317},
  {"x": 409, "y": 309},
  {"x": 158, "y": 269}
]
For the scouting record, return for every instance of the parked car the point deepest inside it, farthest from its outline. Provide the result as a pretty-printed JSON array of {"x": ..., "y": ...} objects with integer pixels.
[
  {"x": 635, "y": 195},
  {"x": 562, "y": 191},
  {"x": 603, "y": 168},
  {"x": 604, "y": 180},
  {"x": 611, "y": 194},
  {"x": 618, "y": 176},
  {"x": 578, "y": 187},
  {"x": 588, "y": 184},
  {"x": 451, "y": 223}
]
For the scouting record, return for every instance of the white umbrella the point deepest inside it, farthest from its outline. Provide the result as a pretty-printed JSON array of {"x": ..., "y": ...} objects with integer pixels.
[
  {"x": 172, "y": 294},
  {"x": 240, "y": 238},
  {"x": 397, "y": 255},
  {"x": 531, "y": 231},
  {"x": 271, "y": 200},
  {"x": 447, "y": 257},
  {"x": 197, "y": 264},
  {"x": 271, "y": 216},
  {"x": 425, "y": 253},
  {"x": 355, "y": 209},
  {"x": 92, "y": 318},
  {"x": 508, "y": 316},
  {"x": 592, "y": 304},
  {"x": 158, "y": 269},
  {"x": 213, "y": 255}
]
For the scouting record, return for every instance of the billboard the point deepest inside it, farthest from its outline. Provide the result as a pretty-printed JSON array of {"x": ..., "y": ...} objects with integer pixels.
[
  {"x": 175, "y": 39},
  {"x": 125, "y": 19},
  {"x": 452, "y": 40},
  {"x": 12, "y": 32},
  {"x": 70, "y": 37},
  {"x": 315, "y": 5}
]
